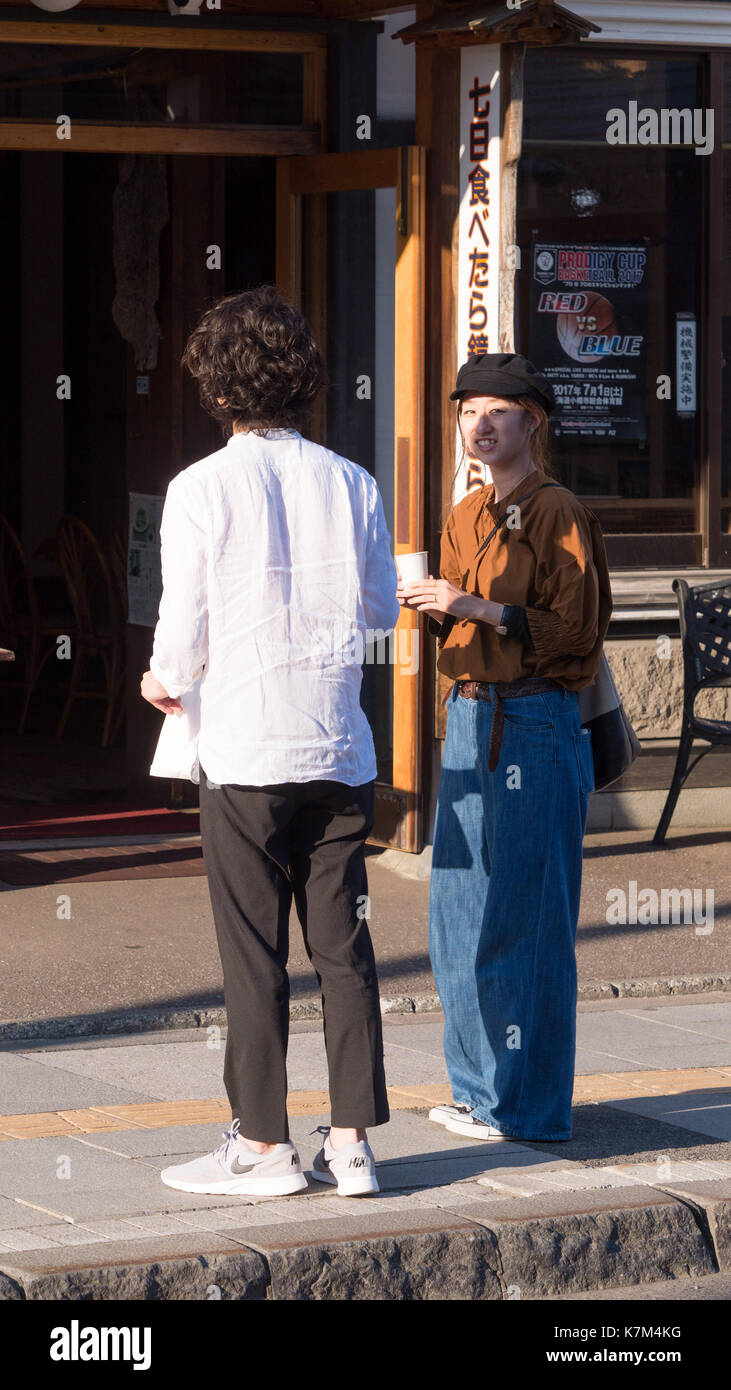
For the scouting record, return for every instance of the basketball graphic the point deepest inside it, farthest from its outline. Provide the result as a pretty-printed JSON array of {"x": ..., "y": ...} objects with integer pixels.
[{"x": 599, "y": 316}]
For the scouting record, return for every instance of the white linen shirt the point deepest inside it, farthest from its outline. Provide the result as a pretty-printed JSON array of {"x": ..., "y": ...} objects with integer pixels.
[{"x": 276, "y": 561}]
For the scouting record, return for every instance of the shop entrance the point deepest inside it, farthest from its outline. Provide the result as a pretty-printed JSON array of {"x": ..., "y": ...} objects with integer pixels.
[
  {"x": 138, "y": 183},
  {"x": 99, "y": 408}
]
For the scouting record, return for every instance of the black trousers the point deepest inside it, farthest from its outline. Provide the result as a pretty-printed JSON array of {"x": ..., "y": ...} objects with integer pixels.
[{"x": 261, "y": 846}]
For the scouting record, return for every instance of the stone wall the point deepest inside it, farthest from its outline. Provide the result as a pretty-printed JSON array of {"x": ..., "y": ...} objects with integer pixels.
[{"x": 649, "y": 676}]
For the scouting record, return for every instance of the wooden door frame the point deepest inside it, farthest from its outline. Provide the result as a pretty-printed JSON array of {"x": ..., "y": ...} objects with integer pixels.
[
  {"x": 399, "y": 811},
  {"x": 72, "y": 33},
  {"x": 119, "y": 137},
  {"x": 111, "y": 137}
]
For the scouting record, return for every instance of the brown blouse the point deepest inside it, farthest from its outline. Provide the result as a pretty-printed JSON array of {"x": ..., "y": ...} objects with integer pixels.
[{"x": 551, "y": 561}]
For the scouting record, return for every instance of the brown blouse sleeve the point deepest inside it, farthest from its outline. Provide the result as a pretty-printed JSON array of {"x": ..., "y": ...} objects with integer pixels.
[
  {"x": 565, "y": 618},
  {"x": 449, "y": 568}
]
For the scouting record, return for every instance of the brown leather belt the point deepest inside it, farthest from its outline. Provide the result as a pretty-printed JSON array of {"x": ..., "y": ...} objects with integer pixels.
[{"x": 504, "y": 690}]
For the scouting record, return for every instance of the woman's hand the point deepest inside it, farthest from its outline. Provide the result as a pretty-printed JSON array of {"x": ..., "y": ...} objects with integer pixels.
[
  {"x": 156, "y": 694},
  {"x": 438, "y": 597}
]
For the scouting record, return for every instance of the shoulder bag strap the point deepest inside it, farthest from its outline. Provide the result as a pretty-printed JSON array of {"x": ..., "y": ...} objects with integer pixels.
[{"x": 505, "y": 516}]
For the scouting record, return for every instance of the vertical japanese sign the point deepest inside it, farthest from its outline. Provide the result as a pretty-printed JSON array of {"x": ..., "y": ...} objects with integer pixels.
[
  {"x": 479, "y": 224},
  {"x": 685, "y": 389}
]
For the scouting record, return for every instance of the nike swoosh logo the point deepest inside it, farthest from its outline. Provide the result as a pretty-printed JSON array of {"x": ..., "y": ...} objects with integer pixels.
[{"x": 239, "y": 1168}]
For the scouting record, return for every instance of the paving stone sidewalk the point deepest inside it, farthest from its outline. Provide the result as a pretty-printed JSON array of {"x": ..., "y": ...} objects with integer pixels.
[{"x": 641, "y": 1193}]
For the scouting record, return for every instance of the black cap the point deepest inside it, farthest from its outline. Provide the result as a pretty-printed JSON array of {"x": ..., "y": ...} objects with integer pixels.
[{"x": 503, "y": 374}]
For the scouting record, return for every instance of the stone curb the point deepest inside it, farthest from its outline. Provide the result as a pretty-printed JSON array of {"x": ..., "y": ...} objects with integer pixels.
[
  {"x": 155, "y": 1020},
  {"x": 664, "y": 1237}
]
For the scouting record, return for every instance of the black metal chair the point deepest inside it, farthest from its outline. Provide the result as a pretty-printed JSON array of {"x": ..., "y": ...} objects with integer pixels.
[{"x": 705, "y": 630}]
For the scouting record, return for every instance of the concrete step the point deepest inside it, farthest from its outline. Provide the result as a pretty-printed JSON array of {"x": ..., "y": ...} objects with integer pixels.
[{"x": 698, "y": 808}]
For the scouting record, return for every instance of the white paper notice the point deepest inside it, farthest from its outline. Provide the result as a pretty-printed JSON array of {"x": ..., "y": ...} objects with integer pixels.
[{"x": 144, "y": 577}]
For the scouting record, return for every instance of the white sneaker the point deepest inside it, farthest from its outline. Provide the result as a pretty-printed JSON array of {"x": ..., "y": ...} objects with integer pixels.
[
  {"x": 475, "y": 1129},
  {"x": 235, "y": 1169},
  {"x": 352, "y": 1168},
  {"x": 442, "y": 1114}
]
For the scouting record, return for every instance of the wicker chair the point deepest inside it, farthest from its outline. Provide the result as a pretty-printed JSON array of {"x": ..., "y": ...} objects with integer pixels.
[
  {"x": 21, "y": 621},
  {"x": 705, "y": 629},
  {"x": 99, "y": 621}
]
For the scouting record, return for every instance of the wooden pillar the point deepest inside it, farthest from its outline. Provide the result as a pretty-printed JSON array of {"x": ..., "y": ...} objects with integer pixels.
[
  {"x": 714, "y": 550},
  {"x": 437, "y": 128},
  {"x": 512, "y": 65}
]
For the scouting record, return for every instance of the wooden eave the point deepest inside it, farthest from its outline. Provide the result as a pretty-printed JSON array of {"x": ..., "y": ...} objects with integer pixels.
[
  {"x": 261, "y": 10},
  {"x": 457, "y": 25}
]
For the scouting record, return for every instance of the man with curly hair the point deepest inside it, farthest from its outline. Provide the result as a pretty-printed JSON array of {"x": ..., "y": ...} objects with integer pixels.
[{"x": 276, "y": 562}]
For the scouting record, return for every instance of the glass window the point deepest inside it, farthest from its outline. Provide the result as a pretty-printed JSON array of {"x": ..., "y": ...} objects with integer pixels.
[
  {"x": 38, "y": 82},
  {"x": 725, "y": 291},
  {"x": 609, "y": 301}
]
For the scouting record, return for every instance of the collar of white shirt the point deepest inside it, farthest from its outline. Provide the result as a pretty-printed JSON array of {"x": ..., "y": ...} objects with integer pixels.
[{"x": 270, "y": 434}]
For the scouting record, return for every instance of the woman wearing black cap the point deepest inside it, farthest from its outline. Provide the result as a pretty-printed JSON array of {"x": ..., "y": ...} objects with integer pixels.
[{"x": 523, "y": 604}]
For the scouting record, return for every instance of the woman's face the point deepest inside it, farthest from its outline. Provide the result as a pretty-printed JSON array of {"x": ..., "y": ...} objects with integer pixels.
[{"x": 495, "y": 431}]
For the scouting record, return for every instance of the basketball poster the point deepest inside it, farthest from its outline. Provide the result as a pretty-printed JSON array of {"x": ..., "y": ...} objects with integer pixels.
[{"x": 589, "y": 309}]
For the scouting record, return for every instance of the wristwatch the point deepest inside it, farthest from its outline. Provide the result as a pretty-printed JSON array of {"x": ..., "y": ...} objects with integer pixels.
[{"x": 504, "y": 617}]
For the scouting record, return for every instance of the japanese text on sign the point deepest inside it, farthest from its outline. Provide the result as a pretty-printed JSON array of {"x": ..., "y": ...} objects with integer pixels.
[
  {"x": 479, "y": 222},
  {"x": 686, "y": 364}
]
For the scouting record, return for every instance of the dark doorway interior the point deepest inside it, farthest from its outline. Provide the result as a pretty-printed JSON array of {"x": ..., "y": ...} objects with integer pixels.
[{"x": 73, "y": 429}]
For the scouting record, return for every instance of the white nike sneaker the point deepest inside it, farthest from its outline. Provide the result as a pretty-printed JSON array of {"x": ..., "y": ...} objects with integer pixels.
[
  {"x": 473, "y": 1128},
  {"x": 235, "y": 1169},
  {"x": 442, "y": 1114},
  {"x": 352, "y": 1168}
]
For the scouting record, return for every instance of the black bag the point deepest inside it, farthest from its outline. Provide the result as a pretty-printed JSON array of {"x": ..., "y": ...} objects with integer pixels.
[{"x": 614, "y": 743}]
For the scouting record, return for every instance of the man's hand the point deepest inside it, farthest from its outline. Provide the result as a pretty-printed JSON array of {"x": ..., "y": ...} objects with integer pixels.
[{"x": 156, "y": 694}]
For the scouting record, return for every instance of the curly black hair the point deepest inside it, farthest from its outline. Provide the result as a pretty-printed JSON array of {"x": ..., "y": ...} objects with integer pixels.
[{"x": 257, "y": 354}]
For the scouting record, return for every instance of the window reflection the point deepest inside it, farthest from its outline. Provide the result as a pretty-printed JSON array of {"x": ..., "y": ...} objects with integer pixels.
[
  {"x": 575, "y": 188},
  {"x": 150, "y": 85}
]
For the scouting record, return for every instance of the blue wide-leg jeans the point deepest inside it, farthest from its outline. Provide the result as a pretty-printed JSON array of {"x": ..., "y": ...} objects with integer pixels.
[{"x": 505, "y": 889}]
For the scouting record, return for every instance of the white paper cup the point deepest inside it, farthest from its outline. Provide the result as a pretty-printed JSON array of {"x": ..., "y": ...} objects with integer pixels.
[{"x": 413, "y": 567}]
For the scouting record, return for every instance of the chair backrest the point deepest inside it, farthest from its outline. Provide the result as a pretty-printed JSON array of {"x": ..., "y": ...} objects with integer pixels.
[
  {"x": 118, "y": 565},
  {"x": 89, "y": 582},
  {"x": 705, "y": 627},
  {"x": 17, "y": 590}
]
